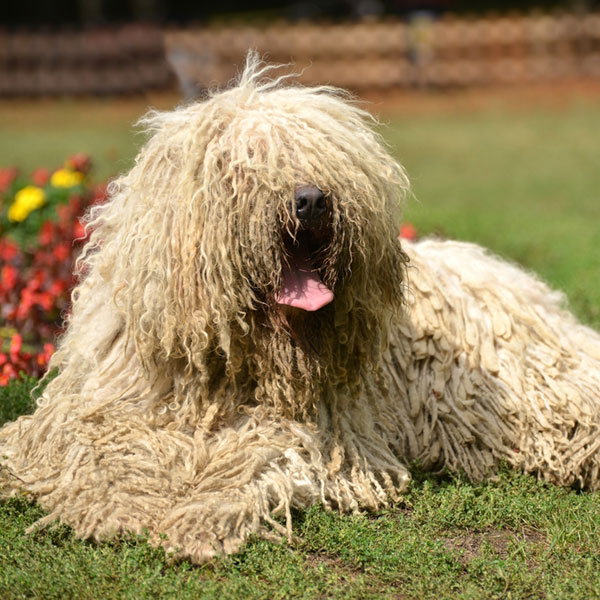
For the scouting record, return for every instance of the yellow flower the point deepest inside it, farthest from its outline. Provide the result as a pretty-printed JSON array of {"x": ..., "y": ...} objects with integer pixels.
[
  {"x": 66, "y": 178},
  {"x": 27, "y": 200}
]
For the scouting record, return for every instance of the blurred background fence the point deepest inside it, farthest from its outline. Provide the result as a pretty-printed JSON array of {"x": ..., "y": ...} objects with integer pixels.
[
  {"x": 103, "y": 61},
  {"x": 421, "y": 51}
]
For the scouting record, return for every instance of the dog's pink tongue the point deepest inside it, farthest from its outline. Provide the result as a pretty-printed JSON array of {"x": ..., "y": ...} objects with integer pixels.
[{"x": 302, "y": 287}]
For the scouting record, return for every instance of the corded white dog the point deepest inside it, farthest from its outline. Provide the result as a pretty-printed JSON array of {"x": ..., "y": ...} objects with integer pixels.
[{"x": 249, "y": 335}]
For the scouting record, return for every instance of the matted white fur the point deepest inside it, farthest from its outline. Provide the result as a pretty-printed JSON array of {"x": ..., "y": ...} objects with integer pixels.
[{"x": 190, "y": 404}]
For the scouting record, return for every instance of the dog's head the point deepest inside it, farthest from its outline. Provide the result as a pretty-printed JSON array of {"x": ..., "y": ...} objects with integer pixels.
[{"x": 259, "y": 227}]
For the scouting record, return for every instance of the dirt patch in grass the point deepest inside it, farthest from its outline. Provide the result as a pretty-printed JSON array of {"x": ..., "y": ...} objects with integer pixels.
[
  {"x": 344, "y": 574},
  {"x": 469, "y": 544},
  {"x": 324, "y": 560}
]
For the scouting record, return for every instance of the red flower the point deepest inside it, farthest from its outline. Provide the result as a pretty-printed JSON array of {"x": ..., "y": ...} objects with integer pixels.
[
  {"x": 9, "y": 277},
  {"x": 8, "y": 249},
  {"x": 79, "y": 231},
  {"x": 37, "y": 280},
  {"x": 75, "y": 205},
  {"x": 45, "y": 300},
  {"x": 43, "y": 358},
  {"x": 27, "y": 301},
  {"x": 15, "y": 347},
  {"x": 408, "y": 231},
  {"x": 61, "y": 252},
  {"x": 46, "y": 233},
  {"x": 64, "y": 213},
  {"x": 8, "y": 373},
  {"x": 7, "y": 176},
  {"x": 57, "y": 287},
  {"x": 79, "y": 162},
  {"x": 40, "y": 176}
]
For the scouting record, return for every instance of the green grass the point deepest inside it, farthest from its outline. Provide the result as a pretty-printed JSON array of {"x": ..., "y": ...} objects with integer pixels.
[
  {"x": 513, "y": 537},
  {"x": 44, "y": 133},
  {"x": 522, "y": 182},
  {"x": 525, "y": 184}
]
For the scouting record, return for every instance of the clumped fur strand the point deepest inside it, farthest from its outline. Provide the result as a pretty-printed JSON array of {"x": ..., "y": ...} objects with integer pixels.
[{"x": 190, "y": 405}]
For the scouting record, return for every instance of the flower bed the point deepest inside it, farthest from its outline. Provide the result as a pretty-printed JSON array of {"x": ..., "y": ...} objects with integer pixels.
[{"x": 41, "y": 234}]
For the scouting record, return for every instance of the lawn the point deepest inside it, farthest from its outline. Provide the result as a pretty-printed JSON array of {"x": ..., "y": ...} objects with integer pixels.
[
  {"x": 43, "y": 133},
  {"x": 521, "y": 180},
  {"x": 524, "y": 183}
]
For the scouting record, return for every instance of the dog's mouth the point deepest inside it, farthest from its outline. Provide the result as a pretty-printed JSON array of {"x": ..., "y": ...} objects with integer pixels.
[
  {"x": 306, "y": 241},
  {"x": 301, "y": 283},
  {"x": 305, "y": 247}
]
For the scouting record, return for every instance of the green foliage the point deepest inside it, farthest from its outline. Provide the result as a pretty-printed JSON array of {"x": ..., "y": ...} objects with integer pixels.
[
  {"x": 25, "y": 232},
  {"x": 16, "y": 399}
]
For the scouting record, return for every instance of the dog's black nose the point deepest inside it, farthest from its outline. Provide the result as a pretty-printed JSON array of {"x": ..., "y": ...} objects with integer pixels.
[{"x": 310, "y": 203}]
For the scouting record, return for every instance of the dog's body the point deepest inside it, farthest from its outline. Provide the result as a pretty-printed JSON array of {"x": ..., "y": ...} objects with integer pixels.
[
  {"x": 250, "y": 336},
  {"x": 493, "y": 367}
]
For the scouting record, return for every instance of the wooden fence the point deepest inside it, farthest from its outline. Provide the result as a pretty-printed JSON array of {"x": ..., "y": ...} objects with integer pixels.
[
  {"x": 107, "y": 61},
  {"x": 421, "y": 52}
]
